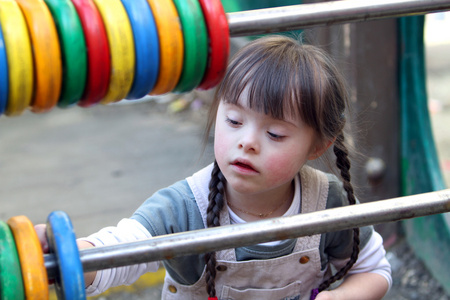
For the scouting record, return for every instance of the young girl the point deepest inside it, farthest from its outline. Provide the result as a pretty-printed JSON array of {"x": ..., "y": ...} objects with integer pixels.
[{"x": 280, "y": 104}]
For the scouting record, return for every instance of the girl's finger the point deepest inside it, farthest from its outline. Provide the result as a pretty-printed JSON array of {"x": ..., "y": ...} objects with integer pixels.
[{"x": 40, "y": 231}]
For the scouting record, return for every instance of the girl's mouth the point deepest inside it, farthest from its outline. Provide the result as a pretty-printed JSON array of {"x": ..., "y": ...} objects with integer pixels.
[{"x": 243, "y": 166}]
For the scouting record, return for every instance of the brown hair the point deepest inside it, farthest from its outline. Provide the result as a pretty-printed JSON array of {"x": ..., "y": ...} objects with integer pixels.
[{"x": 282, "y": 76}]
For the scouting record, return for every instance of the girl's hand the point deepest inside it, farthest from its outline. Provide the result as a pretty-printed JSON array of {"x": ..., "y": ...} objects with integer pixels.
[
  {"x": 41, "y": 230},
  {"x": 42, "y": 236},
  {"x": 325, "y": 295},
  {"x": 367, "y": 286}
]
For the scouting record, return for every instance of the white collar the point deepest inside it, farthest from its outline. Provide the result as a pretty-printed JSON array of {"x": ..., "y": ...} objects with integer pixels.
[{"x": 293, "y": 209}]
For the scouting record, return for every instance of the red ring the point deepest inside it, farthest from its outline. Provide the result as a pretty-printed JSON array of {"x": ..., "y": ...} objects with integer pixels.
[
  {"x": 99, "y": 61},
  {"x": 219, "y": 43}
]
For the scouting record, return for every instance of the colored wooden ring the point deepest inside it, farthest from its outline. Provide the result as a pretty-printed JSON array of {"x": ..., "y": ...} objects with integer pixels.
[
  {"x": 98, "y": 55},
  {"x": 19, "y": 55},
  {"x": 219, "y": 43},
  {"x": 146, "y": 45},
  {"x": 69, "y": 281},
  {"x": 31, "y": 258},
  {"x": 121, "y": 45},
  {"x": 171, "y": 45},
  {"x": 4, "y": 77},
  {"x": 11, "y": 284},
  {"x": 73, "y": 48},
  {"x": 195, "y": 44},
  {"x": 46, "y": 54}
]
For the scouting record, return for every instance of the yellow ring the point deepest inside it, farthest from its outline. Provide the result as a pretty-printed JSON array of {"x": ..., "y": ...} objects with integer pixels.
[
  {"x": 121, "y": 45},
  {"x": 31, "y": 258},
  {"x": 171, "y": 45},
  {"x": 19, "y": 55},
  {"x": 47, "y": 54}
]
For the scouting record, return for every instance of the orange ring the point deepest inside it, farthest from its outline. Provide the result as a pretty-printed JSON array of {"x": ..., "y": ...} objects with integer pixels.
[
  {"x": 31, "y": 258},
  {"x": 171, "y": 45},
  {"x": 47, "y": 54},
  {"x": 19, "y": 56}
]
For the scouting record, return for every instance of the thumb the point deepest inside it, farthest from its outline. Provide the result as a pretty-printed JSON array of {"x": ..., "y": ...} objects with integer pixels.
[
  {"x": 42, "y": 236},
  {"x": 325, "y": 295}
]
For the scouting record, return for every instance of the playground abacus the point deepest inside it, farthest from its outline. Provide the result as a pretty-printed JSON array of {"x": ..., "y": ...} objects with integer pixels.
[{"x": 86, "y": 52}]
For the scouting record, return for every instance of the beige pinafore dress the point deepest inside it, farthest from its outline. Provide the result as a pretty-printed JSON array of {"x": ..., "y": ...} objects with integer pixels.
[{"x": 288, "y": 277}]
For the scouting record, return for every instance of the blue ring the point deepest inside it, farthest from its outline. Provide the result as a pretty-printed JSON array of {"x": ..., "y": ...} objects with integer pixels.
[
  {"x": 146, "y": 43},
  {"x": 4, "y": 75},
  {"x": 69, "y": 282}
]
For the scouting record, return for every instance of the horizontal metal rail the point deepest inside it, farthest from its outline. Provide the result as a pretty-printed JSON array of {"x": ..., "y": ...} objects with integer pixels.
[
  {"x": 232, "y": 236},
  {"x": 285, "y": 18}
]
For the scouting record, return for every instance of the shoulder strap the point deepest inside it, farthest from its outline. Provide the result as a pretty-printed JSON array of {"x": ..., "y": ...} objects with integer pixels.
[
  {"x": 314, "y": 187},
  {"x": 199, "y": 184}
]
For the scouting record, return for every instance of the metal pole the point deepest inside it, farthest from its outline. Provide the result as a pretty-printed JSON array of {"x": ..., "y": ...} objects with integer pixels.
[
  {"x": 294, "y": 17},
  {"x": 232, "y": 236}
]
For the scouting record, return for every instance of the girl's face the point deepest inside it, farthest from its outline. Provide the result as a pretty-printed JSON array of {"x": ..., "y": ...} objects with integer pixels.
[{"x": 257, "y": 153}]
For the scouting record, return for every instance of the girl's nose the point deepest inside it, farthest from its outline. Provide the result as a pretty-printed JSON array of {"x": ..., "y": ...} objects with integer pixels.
[{"x": 249, "y": 142}]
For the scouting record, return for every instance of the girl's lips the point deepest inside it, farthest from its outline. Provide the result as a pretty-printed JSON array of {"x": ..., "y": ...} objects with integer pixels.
[{"x": 243, "y": 166}]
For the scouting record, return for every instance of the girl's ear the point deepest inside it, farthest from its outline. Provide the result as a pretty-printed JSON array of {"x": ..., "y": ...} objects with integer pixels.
[{"x": 320, "y": 148}]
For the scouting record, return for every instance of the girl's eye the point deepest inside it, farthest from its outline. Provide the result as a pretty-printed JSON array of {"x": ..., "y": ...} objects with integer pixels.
[
  {"x": 232, "y": 122},
  {"x": 274, "y": 136}
]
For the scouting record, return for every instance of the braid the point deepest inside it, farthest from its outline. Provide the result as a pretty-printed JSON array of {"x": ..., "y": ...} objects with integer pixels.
[
  {"x": 216, "y": 203},
  {"x": 343, "y": 163}
]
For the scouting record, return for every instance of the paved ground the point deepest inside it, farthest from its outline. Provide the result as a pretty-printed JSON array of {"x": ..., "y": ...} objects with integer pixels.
[{"x": 97, "y": 164}]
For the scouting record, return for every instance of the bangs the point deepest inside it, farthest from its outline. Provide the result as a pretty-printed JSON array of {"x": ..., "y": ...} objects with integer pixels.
[{"x": 274, "y": 80}]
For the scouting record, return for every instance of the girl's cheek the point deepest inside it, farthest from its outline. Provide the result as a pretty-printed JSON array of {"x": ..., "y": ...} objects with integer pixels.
[
  {"x": 221, "y": 140},
  {"x": 218, "y": 149},
  {"x": 220, "y": 146},
  {"x": 282, "y": 167}
]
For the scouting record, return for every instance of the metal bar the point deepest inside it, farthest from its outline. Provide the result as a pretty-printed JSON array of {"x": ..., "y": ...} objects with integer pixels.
[
  {"x": 232, "y": 236},
  {"x": 300, "y": 16}
]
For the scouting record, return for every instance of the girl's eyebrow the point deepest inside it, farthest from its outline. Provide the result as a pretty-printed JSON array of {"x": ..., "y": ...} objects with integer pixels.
[
  {"x": 238, "y": 105},
  {"x": 285, "y": 120}
]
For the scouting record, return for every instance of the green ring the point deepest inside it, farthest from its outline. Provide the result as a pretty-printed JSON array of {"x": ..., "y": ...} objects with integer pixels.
[
  {"x": 73, "y": 50},
  {"x": 195, "y": 38},
  {"x": 11, "y": 283}
]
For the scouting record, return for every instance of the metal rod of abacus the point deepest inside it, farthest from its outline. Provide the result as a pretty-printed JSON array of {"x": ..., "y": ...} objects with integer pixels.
[
  {"x": 285, "y": 18},
  {"x": 232, "y": 236}
]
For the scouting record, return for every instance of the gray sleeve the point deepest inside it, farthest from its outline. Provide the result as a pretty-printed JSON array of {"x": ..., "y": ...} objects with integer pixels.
[
  {"x": 339, "y": 244},
  {"x": 172, "y": 210}
]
